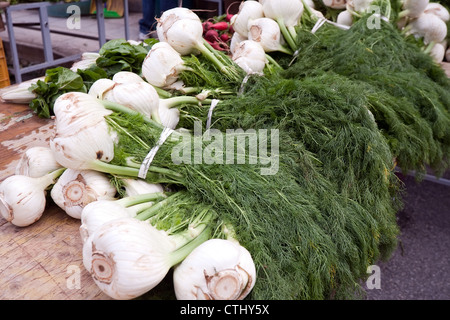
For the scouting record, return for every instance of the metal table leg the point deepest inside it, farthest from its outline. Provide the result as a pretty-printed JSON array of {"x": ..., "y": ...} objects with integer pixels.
[
  {"x": 100, "y": 22},
  {"x": 126, "y": 20},
  {"x": 13, "y": 46}
]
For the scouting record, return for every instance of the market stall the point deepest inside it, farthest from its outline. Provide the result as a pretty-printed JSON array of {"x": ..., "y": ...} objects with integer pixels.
[{"x": 334, "y": 108}]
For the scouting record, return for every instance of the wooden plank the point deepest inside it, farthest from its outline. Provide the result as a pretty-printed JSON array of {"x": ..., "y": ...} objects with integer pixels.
[{"x": 44, "y": 260}]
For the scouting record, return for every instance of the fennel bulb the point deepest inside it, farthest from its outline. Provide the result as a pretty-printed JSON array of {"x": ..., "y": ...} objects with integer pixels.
[
  {"x": 81, "y": 133},
  {"x": 335, "y": 4},
  {"x": 250, "y": 56},
  {"x": 126, "y": 77},
  {"x": 438, "y": 52},
  {"x": 248, "y": 11},
  {"x": 77, "y": 188},
  {"x": 217, "y": 269},
  {"x": 134, "y": 187},
  {"x": 87, "y": 60},
  {"x": 20, "y": 93},
  {"x": 169, "y": 116},
  {"x": 183, "y": 30},
  {"x": 267, "y": 33},
  {"x": 359, "y": 6},
  {"x": 128, "y": 257},
  {"x": 429, "y": 27},
  {"x": 439, "y": 10},
  {"x": 98, "y": 212},
  {"x": 287, "y": 14},
  {"x": 36, "y": 162},
  {"x": 236, "y": 38},
  {"x": 287, "y": 11},
  {"x": 139, "y": 96},
  {"x": 23, "y": 198},
  {"x": 130, "y": 90},
  {"x": 413, "y": 8},
  {"x": 345, "y": 18},
  {"x": 162, "y": 65},
  {"x": 100, "y": 87}
]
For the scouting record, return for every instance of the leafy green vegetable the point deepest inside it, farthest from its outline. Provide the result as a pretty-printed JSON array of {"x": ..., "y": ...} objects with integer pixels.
[
  {"x": 57, "y": 81},
  {"x": 92, "y": 74},
  {"x": 120, "y": 55}
]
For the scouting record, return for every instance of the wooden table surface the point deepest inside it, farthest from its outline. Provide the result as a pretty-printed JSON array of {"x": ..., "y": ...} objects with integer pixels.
[{"x": 42, "y": 261}]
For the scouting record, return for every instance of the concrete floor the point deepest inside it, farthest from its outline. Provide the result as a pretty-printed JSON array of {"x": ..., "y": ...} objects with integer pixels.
[
  {"x": 419, "y": 269},
  {"x": 29, "y": 42},
  {"x": 71, "y": 44}
]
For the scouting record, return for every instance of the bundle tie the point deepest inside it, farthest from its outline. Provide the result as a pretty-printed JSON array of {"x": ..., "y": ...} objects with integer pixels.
[
  {"x": 151, "y": 154},
  {"x": 214, "y": 103}
]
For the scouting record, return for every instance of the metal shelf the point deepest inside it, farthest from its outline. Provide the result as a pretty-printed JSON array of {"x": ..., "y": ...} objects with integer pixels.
[{"x": 43, "y": 26}]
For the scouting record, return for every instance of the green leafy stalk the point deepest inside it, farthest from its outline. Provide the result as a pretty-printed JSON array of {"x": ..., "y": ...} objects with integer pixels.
[{"x": 57, "y": 81}]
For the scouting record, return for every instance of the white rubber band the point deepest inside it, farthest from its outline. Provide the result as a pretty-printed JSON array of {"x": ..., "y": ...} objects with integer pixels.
[
  {"x": 149, "y": 158},
  {"x": 214, "y": 103},
  {"x": 318, "y": 24}
]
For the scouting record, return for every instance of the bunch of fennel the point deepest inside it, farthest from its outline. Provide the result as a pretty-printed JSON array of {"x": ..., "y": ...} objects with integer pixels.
[
  {"x": 413, "y": 119},
  {"x": 244, "y": 199}
]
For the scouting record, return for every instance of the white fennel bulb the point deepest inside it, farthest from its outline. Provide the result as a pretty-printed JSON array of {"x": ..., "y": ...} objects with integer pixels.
[
  {"x": 128, "y": 257},
  {"x": 81, "y": 150},
  {"x": 216, "y": 270},
  {"x": 438, "y": 10},
  {"x": 438, "y": 52},
  {"x": 134, "y": 187},
  {"x": 36, "y": 162},
  {"x": 181, "y": 28},
  {"x": 88, "y": 59},
  {"x": 169, "y": 116},
  {"x": 267, "y": 33},
  {"x": 128, "y": 89},
  {"x": 126, "y": 77},
  {"x": 345, "y": 18},
  {"x": 162, "y": 65},
  {"x": 75, "y": 111},
  {"x": 429, "y": 27},
  {"x": 98, "y": 212},
  {"x": 75, "y": 189},
  {"x": 81, "y": 134},
  {"x": 139, "y": 96},
  {"x": 287, "y": 12},
  {"x": 248, "y": 11},
  {"x": 335, "y": 4},
  {"x": 236, "y": 38},
  {"x": 359, "y": 6},
  {"x": 100, "y": 87},
  {"x": 250, "y": 56},
  {"x": 23, "y": 198},
  {"x": 413, "y": 8},
  {"x": 20, "y": 93}
]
